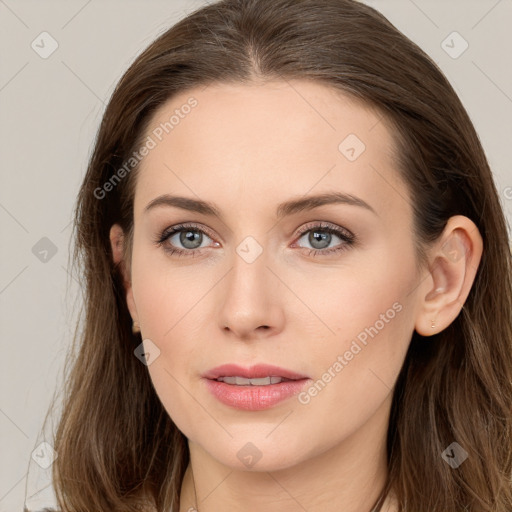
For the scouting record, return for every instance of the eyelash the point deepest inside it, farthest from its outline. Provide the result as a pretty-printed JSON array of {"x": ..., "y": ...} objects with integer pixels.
[{"x": 346, "y": 236}]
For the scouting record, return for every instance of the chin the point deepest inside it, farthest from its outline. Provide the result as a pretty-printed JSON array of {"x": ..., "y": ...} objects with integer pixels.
[{"x": 258, "y": 451}]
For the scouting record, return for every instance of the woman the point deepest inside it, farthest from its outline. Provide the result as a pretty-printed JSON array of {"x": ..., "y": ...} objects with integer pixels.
[{"x": 297, "y": 275}]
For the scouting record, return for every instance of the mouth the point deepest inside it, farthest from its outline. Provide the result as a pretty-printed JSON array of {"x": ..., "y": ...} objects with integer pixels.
[
  {"x": 255, "y": 388},
  {"x": 256, "y": 375},
  {"x": 263, "y": 381}
]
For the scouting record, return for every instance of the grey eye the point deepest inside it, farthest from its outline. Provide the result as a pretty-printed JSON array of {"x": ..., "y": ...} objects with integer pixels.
[{"x": 189, "y": 238}]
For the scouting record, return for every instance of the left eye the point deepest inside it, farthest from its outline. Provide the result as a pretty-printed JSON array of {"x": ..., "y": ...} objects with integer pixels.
[{"x": 321, "y": 236}]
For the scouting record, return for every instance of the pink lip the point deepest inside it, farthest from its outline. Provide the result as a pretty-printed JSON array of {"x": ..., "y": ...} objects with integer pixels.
[
  {"x": 253, "y": 398},
  {"x": 253, "y": 372}
]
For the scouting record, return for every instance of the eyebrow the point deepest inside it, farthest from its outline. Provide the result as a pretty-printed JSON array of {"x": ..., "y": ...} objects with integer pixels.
[{"x": 284, "y": 209}]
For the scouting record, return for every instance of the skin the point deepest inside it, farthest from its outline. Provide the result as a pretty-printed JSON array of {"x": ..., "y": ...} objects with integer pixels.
[{"x": 247, "y": 148}]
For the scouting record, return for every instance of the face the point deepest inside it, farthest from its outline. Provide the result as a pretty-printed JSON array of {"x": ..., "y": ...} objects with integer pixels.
[{"x": 323, "y": 289}]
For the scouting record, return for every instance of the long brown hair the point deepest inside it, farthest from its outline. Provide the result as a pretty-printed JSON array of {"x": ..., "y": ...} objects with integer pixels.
[{"x": 118, "y": 449}]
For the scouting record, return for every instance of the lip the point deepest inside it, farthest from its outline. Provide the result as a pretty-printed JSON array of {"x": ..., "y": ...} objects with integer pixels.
[
  {"x": 253, "y": 398},
  {"x": 253, "y": 372}
]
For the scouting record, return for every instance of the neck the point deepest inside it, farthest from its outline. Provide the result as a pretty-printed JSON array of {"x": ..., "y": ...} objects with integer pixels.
[{"x": 349, "y": 476}]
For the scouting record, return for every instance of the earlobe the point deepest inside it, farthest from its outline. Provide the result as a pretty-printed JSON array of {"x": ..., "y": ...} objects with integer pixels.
[{"x": 454, "y": 262}]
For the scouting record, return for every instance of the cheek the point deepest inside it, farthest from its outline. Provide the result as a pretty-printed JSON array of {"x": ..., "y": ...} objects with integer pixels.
[
  {"x": 170, "y": 305},
  {"x": 370, "y": 313},
  {"x": 167, "y": 295},
  {"x": 351, "y": 299}
]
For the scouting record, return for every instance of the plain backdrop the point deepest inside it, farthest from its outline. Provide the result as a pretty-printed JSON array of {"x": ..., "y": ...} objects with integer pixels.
[{"x": 51, "y": 106}]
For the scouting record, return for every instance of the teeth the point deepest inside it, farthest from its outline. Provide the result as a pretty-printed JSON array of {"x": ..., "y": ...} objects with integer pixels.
[{"x": 242, "y": 381}]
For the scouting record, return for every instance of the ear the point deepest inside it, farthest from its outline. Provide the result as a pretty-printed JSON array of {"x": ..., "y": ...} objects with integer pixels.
[
  {"x": 117, "y": 241},
  {"x": 453, "y": 263}
]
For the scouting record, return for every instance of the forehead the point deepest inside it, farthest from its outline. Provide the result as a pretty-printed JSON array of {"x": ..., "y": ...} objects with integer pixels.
[{"x": 232, "y": 142}]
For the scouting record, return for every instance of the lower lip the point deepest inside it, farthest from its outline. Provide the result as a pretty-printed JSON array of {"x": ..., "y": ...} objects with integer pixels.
[{"x": 254, "y": 398}]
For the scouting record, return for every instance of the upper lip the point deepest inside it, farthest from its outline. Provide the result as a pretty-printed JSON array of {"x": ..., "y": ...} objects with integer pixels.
[{"x": 252, "y": 372}]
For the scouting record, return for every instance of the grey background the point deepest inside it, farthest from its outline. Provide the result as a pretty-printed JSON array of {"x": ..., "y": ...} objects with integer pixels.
[{"x": 50, "y": 111}]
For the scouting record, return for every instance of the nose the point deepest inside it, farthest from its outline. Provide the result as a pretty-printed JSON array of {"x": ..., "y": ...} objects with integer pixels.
[{"x": 251, "y": 302}]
